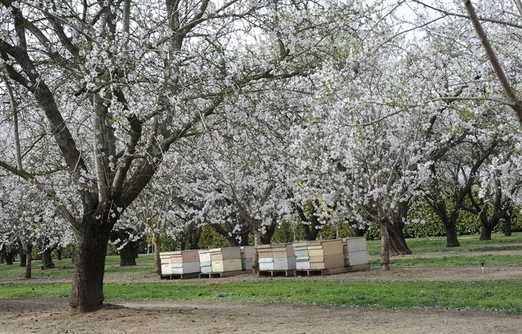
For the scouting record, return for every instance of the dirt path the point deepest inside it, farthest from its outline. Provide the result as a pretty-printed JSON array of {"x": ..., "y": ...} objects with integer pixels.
[
  {"x": 43, "y": 315},
  {"x": 53, "y": 316}
]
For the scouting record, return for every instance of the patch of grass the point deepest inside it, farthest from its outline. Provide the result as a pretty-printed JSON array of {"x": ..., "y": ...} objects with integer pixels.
[
  {"x": 498, "y": 296},
  {"x": 65, "y": 267},
  {"x": 34, "y": 290},
  {"x": 460, "y": 260},
  {"x": 468, "y": 243}
]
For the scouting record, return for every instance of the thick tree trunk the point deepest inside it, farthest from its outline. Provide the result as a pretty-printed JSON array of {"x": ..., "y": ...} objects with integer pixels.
[
  {"x": 89, "y": 260},
  {"x": 449, "y": 222},
  {"x": 59, "y": 253},
  {"x": 9, "y": 257},
  {"x": 385, "y": 246},
  {"x": 487, "y": 229},
  {"x": 128, "y": 254},
  {"x": 47, "y": 259},
  {"x": 255, "y": 258},
  {"x": 398, "y": 244},
  {"x": 507, "y": 226},
  {"x": 451, "y": 236}
]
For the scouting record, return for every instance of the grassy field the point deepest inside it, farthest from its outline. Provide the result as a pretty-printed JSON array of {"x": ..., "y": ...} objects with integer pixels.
[{"x": 498, "y": 296}]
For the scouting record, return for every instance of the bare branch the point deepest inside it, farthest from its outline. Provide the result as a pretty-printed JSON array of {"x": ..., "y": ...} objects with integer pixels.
[{"x": 516, "y": 103}]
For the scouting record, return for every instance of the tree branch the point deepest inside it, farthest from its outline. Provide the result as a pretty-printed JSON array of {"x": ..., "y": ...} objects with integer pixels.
[{"x": 516, "y": 103}]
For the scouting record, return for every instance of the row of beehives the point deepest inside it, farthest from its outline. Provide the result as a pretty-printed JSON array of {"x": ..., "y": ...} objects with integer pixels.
[
  {"x": 307, "y": 255},
  {"x": 213, "y": 260},
  {"x": 314, "y": 255}
]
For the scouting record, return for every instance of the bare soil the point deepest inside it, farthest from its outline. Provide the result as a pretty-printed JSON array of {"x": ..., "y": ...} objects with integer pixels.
[{"x": 52, "y": 315}]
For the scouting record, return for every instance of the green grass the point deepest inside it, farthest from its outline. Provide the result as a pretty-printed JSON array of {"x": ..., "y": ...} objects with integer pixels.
[
  {"x": 468, "y": 243},
  {"x": 498, "y": 296},
  {"x": 144, "y": 265},
  {"x": 460, "y": 260}
]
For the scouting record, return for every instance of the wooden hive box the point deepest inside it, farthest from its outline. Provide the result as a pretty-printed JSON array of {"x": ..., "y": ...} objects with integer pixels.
[
  {"x": 325, "y": 247},
  {"x": 185, "y": 256},
  {"x": 276, "y": 257},
  {"x": 282, "y": 250},
  {"x": 227, "y": 253},
  {"x": 220, "y": 266},
  {"x": 302, "y": 259},
  {"x": 274, "y": 264},
  {"x": 325, "y": 254},
  {"x": 264, "y": 251},
  {"x": 355, "y": 251},
  {"x": 247, "y": 254},
  {"x": 186, "y": 267},
  {"x": 301, "y": 249},
  {"x": 354, "y": 244},
  {"x": 357, "y": 258},
  {"x": 166, "y": 263},
  {"x": 205, "y": 261}
]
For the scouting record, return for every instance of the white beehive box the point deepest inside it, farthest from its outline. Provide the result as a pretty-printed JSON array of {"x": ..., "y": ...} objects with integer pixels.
[
  {"x": 186, "y": 268},
  {"x": 355, "y": 251},
  {"x": 356, "y": 258},
  {"x": 166, "y": 263},
  {"x": 276, "y": 257},
  {"x": 354, "y": 244}
]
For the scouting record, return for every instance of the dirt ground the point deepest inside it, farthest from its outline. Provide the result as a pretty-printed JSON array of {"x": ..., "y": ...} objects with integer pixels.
[{"x": 52, "y": 315}]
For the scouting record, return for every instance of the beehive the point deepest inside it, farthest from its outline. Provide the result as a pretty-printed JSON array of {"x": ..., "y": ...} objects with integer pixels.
[
  {"x": 355, "y": 251},
  {"x": 319, "y": 254},
  {"x": 217, "y": 260},
  {"x": 276, "y": 257},
  {"x": 247, "y": 254},
  {"x": 302, "y": 258},
  {"x": 205, "y": 261},
  {"x": 185, "y": 262},
  {"x": 166, "y": 263}
]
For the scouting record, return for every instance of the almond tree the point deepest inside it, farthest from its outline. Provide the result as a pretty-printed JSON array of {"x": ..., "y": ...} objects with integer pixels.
[{"x": 121, "y": 83}]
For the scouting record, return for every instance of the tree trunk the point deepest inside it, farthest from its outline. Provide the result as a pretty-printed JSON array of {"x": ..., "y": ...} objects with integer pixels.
[
  {"x": 449, "y": 222},
  {"x": 507, "y": 226},
  {"x": 267, "y": 236},
  {"x": 398, "y": 244},
  {"x": 47, "y": 259},
  {"x": 487, "y": 229},
  {"x": 128, "y": 252},
  {"x": 255, "y": 258},
  {"x": 385, "y": 246},
  {"x": 89, "y": 260},
  {"x": 451, "y": 236},
  {"x": 157, "y": 258},
  {"x": 193, "y": 235},
  {"x": 23, "y": 261},
  {"x": 28, "y": 261},
  {"x": 59, "y": 253}
]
